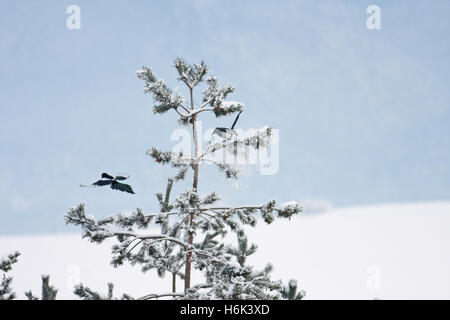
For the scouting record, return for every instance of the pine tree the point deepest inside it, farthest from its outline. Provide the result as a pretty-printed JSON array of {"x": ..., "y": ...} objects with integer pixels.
[
  {"x": 6, "y": 292},
  {"x": 48, "y": 291},
  {"x": 290, "y": 292},
  {"x": 86, "y": 293},
  {"x": 192, "y": 226}
]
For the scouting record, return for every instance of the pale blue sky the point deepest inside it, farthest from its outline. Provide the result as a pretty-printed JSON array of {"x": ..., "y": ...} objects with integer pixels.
[{"x": 363, "y": 115}]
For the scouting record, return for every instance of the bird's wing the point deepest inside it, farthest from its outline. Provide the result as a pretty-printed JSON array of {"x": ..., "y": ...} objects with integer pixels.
[
  {"x": 235, "y": 120},
  {"x": 122, "y": 176},
  {"x": 219, "y": 131},
  {"x": 107, "y": 176},
  {"x": 98, "y": 183},
  {"x": 122, "y": 187}
]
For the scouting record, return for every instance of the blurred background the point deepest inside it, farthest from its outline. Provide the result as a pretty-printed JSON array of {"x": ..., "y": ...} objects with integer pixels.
[{"x": 363, "y": 114}]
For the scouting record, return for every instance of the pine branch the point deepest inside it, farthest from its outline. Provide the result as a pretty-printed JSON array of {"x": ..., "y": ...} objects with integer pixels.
[
  {"x": 6, "y": 292},
  {"x": 260, "y": 139},
  {"x": 7, "y": 262},
  {"x": 30, "y": 296},
  {"x": 192, "y": 290},
  {"x": 289, "y": 291},
  {"x": 86, "y": 293},
  {"x": 48, "y": 291},
  {"x": 191, "y": 75},
  {"x": 163, "y": 96}
]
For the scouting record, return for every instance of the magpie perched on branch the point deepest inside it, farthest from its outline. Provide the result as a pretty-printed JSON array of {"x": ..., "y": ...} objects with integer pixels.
[
  {"x": 225, "y": 132},
  {"x": 113, "y": 182}
]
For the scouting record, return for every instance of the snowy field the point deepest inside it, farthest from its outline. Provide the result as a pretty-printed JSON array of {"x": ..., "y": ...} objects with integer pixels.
[{"x": 390, "y": 251}]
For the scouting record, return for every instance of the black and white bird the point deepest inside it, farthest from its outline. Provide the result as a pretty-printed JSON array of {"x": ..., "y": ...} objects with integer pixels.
[
  {"x": 225, "y": 132},
  {"x": 113, "y": 182}
]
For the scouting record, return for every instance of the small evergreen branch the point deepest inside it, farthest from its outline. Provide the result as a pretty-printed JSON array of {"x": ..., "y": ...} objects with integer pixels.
[
  {"x": 164, "y": 97},
  {"x": 190, "y": 75},
  {"x": 215, "y": 94},
  {"x": 48, "y": 291},
  {"x": 7, "y": 262},
  {"x": 289, "y": 291},
  {"x": 258, "y": 140},
  {"x": 30, "y": 296},
  {"x": 86, "y": 293},
  {"x": 6, "y": 292}
]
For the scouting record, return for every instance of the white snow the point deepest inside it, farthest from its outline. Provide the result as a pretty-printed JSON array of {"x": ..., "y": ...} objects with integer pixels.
[
  {"x": 384, "y": 251},
  {"x": 289, "y": 204},
  {"x": 315, "y": 205},
  {"x": 227, "y": 104}
]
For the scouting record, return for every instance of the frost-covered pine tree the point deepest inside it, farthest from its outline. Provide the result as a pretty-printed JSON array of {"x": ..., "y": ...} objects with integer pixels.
[
  {"x": 192, "y": 227},
  {"x": 48, "y": 291},
  {"x": 6, "y": 291}
]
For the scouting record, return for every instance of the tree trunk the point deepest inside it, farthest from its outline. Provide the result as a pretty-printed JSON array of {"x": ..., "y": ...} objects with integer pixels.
[
  {"x": 187, "y": 279},
  {"x": 174, "y": 282}
]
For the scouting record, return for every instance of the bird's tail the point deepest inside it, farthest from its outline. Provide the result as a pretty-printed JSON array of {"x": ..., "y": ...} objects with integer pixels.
[{"x": 88, "y": 186}]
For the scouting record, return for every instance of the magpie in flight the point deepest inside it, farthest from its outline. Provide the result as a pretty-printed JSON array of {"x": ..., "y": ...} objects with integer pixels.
[
  {"x": 113, "y": 182},
  {"x": 225, "y": 132}
]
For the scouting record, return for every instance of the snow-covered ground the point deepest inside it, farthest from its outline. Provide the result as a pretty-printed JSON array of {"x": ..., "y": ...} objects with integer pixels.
[{"x": 384, "y": 251}]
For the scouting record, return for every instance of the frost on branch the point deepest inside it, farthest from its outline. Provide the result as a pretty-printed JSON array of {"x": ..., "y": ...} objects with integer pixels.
[
  {"x": 215, "y": 95},
  {"x": 228, "y": 170},
  {"x": 190, "y": 75},
  {"x": 287, "y": 209},
  {"x": 160, "y": 156},
  {"x": 48, "y": 291},
  {"x": 231, "y": 278},
  {"x": 86, "y": 293},
  {"x": 6, "y": 292},
  {"x": 7, "y": 262},
  {"x": 92, "y": 229},
  {"x": 164, "y": 97},
  {"x": 176, "y": 160},
  {"x": 290, "y": 291},
  {"x": 226, "y": 108},
  {"x": 167, "y": 250},
  {"x": 259, "y": 139}
]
